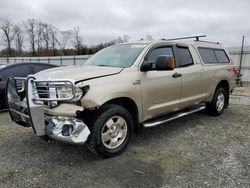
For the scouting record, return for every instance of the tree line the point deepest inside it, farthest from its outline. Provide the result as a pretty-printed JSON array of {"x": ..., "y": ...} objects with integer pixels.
[{"x": 44, "y": 39}]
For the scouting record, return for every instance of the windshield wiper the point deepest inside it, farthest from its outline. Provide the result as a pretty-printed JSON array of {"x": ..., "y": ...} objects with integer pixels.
[{"x": 102, "y": 65}]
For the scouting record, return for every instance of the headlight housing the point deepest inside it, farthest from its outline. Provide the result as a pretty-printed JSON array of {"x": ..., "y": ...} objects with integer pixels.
[{"x": 66, "y": 92}]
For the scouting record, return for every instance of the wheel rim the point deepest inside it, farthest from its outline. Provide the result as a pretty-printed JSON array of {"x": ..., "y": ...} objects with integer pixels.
[
  {"x": 114, "y": 132},
  {"x": 220, "y": 102}
]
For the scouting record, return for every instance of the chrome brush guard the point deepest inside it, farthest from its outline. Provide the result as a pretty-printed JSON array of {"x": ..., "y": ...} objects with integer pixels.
[
  {"x": 22, "y": 109},
  {"x": 26, "y": 99}
]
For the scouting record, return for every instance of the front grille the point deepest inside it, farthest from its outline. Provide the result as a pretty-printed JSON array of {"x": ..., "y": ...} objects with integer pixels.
[
  {"x": 20, "y": 84},
  {"x": 42, "y": 90}
]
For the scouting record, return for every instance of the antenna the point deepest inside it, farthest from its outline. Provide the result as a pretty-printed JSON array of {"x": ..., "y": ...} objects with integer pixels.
[{"x": 191, "y": 37}]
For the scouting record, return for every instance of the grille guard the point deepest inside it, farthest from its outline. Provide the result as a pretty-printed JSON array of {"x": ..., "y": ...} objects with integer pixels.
[{"x": 25, "y": 107}]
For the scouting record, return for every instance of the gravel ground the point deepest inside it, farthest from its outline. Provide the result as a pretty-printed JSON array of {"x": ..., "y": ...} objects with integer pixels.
[
  {"x": 243, "y": 91},
  {"x": 195, "y": 151}
]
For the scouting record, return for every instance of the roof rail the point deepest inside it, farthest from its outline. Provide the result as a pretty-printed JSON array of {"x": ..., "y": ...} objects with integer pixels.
[
  {"x": 191, "y": 37},
  {"x": 209, "y": 42}
]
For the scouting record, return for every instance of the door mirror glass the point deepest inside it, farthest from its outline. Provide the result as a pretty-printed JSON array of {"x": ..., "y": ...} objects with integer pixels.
[{"x": 164, "y": 63}]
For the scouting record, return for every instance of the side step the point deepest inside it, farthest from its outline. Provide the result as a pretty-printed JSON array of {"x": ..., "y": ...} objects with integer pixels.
[{"x": 171, "y": 117}]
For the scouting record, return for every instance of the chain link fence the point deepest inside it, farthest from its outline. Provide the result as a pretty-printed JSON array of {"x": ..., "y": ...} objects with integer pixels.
[
  {"x": 235, "y": 53},
  {"x": 57, "y": 60}
]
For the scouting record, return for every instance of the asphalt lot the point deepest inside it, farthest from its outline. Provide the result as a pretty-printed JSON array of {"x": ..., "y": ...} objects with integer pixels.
[{"x": 195, "y": 151}]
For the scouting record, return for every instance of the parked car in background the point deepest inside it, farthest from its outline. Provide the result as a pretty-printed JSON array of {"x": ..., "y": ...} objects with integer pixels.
[{"x": 18, "y": 70}]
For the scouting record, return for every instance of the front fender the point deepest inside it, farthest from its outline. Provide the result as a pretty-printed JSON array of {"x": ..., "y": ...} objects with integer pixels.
[{"x": 108, "y": 88}]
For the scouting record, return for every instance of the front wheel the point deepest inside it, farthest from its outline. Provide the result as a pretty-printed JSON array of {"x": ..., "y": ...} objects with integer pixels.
[
  {"x": 110, "y": 131},
  {"x": 218, "y": 104}
]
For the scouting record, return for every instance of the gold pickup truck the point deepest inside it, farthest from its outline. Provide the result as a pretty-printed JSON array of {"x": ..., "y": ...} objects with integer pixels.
[{"x": 121, "y": 89}]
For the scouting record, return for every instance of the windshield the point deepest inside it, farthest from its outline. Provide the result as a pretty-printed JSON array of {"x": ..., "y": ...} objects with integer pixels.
[{"x": 116, "y": 56}]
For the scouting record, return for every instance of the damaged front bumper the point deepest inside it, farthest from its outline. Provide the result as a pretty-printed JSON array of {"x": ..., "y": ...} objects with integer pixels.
[
  {"x": 27, "y": 110},
  {"x": 67, "y": 129}
]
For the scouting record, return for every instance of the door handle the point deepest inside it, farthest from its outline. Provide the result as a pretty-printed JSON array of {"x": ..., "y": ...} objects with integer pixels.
[{"x": 176, "y": 75}]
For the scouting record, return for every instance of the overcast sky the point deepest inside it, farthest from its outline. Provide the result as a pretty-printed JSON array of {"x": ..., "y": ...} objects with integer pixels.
[{"x": 103, "y": 20}]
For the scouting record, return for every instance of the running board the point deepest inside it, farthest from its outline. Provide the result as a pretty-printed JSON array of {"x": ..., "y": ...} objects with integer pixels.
[{"x": 162, "y": 120}]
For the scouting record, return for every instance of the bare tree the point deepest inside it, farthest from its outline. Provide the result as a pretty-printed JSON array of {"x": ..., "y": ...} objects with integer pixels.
[
  {"x": 118, "y": 40},
  {"x": 53, "y": 37},
  {"x": 126, "y": 38},
  {"x": 63, "y": 39},
  {"x": 39, "y": 36},
  {"x": 148, "y": 38},
  {"x": 46, "y": 35},
  {"x": 8, "y": 34},
  {"x": 77, "y": 40},
  {"x": 30, "y": 26},
  {"x": 121, "y": 39},
  {"x": 19, "y": 39}
]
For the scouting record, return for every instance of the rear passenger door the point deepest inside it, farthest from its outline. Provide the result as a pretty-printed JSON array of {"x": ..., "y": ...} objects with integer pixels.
[{"x": 192, "y": 76}]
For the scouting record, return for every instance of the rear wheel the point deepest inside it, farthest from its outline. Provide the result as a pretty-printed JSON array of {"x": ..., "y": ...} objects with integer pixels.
[
  {"x": 111, "y": 129},
  {"x": 218, "y": 104}
]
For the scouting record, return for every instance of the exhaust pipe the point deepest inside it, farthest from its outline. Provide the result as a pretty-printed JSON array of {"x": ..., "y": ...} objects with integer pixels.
[{"x": 67, "y": 129}]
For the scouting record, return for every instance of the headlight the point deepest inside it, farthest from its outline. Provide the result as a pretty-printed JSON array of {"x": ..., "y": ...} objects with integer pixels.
[{"x": 65, "y": 92}]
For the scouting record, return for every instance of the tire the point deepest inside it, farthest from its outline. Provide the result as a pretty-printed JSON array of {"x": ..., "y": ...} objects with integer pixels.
[
  {"x": 219, "y": 102},
  {"x": 111, "y": 129}
]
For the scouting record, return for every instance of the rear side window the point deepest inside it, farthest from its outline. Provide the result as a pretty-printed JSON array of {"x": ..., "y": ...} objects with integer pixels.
[
  {"x": 207, "y": 55},
  {"x": 210, "y": 55},
  {"x": 221, "y": 56},
  {"x": 186, "y": 58}
]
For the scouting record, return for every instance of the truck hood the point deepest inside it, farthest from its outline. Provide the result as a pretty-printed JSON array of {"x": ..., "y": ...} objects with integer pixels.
[{"x": 79, "y": 73}]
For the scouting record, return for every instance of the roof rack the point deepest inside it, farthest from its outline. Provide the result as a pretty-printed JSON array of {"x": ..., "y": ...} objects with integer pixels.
[
  {"x": 197, "y": 37},
  {"x": 209, "y": 42}
]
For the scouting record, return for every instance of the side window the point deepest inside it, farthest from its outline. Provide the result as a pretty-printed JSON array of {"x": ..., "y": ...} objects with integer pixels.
[
  {"x": 21, "y": 70},
  {"x": 221, "y": 56},
  {"x": 207, "y": 55},
  {"x": 186, "y": 57},
  {"x": 39, "y": 67},
  {"x": 210, "y": 55},
  {"x": 161, "y": 51}
]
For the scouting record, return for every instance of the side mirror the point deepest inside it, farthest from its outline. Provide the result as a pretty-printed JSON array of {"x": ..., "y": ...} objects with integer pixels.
[
  {"x": 146, "y": 66},
  {"x": 1, "y": 79},
  {"x": 164, "y": 63}
]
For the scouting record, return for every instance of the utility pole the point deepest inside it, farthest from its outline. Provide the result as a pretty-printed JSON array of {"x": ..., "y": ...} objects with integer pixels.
[
  {"x": 238, "y": 80},
  {"x": 241, "y": 53}
]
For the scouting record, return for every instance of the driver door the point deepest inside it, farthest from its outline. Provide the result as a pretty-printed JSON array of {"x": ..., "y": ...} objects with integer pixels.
[{"x": 161, "y": 90}]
